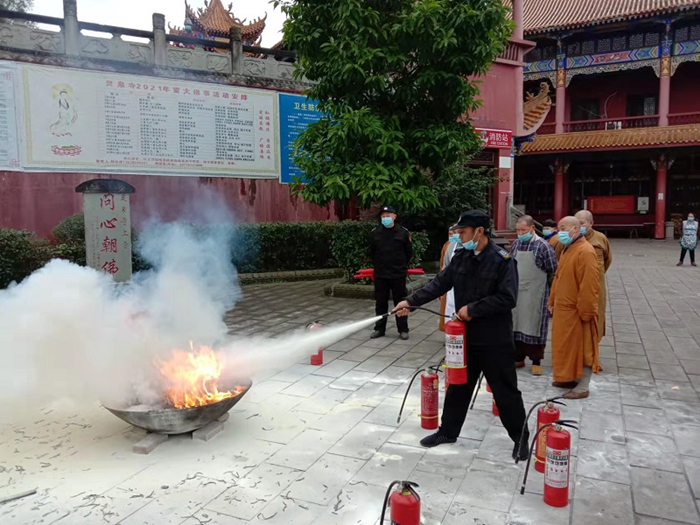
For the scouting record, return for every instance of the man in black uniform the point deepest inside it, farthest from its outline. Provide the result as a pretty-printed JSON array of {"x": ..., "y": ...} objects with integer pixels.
[
  {"x": 391, "y": 252},
  {"x": 485, "y": 282}
]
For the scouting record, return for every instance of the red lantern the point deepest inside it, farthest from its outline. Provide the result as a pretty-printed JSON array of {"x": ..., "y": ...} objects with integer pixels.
[{"x": 456, "y": 353}]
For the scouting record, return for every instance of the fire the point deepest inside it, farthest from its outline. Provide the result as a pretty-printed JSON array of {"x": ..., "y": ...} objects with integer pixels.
[{"x": 192, "y": 378}]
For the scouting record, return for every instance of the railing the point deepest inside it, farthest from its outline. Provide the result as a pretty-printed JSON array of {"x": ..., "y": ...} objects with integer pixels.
[
  {"x": 547, "y": 129},
  {"x": 510, "y": 53},
  {"x": 31, "y": 17},
  {"x": 515, "y": 214},
  {"x": 678, "y": 119},
  {"x": 647, "y": 121}
]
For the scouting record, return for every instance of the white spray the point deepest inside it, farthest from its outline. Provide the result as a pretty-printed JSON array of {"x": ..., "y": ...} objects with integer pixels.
[{"x": 70, "y": 332}]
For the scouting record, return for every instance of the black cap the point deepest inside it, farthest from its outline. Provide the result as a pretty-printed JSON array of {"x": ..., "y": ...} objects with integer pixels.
[
  {"x": 454, "y": 227},
  {"x": 475, "y": 219},
  {"x": 387, "y": 209}
]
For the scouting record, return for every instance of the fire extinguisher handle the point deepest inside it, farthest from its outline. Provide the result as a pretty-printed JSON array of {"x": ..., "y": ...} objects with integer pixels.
[{"x": 568, "y": 423}]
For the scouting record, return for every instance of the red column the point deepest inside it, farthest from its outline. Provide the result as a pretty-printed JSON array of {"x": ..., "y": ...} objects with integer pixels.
[
  {"x": 660, "y": 211},
  {"x": 664, "y": 92},
  {"x": 565, "y": 205},
  {"x": 561, "y": 108},
  {"x": 503, "y": 189},
  {"x": 558, "y": 191}
]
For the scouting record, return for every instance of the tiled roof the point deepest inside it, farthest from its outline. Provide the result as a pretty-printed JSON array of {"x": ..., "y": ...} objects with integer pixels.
[
  {"x": 615, "y": 139},
  {"x": 215, "y": 19},
  {"x": 536, "y": 108},
  {"x": 542, "y": 16}
]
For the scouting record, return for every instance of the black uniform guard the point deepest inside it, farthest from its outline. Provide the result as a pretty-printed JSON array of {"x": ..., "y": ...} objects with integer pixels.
[
  {"x": 486, "y": 282},
  {"x": 391, "y": 252}
]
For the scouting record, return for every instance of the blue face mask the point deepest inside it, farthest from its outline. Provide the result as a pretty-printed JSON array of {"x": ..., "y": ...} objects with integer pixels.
[
  {"x": 455, "y": 238},
  {"x": 387, "y": 222},
  {"x": 691, "y": 219},
  {"x": 525, "y": 238},
  {"x": 565, "y": 238},
  {"x": 470, "y": 245},
  {"x": 583, "y": 230},
  {"x": 547, "y": 232}
]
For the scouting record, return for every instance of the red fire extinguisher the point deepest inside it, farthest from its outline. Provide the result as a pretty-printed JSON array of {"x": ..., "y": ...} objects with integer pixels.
[
  {"x": 429, "y": 410},
  {"x": 546, "y": 414},
  {"x": 455, "y": 352},
  {"x": 404, "y": 503},
  {"x": 557, "y": 462},
  {"x": 317, "y": 358}
]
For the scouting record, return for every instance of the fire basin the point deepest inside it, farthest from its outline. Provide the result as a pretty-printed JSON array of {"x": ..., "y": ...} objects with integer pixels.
[{"x": 180, "y": 421}]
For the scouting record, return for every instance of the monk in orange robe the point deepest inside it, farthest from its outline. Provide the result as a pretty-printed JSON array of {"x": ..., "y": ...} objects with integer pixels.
[{"x": 573, "y": 302}]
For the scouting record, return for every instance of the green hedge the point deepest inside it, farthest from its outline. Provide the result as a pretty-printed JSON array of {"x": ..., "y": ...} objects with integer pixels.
[{"x": 256, "y": 248}]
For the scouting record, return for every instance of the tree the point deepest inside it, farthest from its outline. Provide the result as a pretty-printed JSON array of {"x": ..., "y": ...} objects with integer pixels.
[
  {"x": 394, "y": 79},
  {"x": 23, "y": 6}
]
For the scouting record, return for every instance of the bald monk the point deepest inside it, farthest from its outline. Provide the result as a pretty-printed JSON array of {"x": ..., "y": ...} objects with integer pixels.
[
  {"x": 573, "y": 302},
  {"x": 602, "y": 249}
]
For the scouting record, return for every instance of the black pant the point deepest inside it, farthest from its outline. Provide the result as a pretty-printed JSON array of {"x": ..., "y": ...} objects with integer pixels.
[
  {"x": 382, "y": 287},
  {"x": 498, "y": 367},
  {"x": 692, "y": 254}
]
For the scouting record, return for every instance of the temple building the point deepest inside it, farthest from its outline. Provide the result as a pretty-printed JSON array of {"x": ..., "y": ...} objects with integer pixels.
[
  {"x": 214, "y": 22},
  {"x": 622, "y": 137}
]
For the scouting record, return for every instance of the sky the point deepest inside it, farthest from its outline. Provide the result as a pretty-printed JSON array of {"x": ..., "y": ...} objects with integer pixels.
[{"x": 137, "y": 14}]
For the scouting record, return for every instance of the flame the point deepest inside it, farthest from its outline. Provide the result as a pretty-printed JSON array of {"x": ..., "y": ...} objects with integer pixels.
[{"x": 192, "y": 378}]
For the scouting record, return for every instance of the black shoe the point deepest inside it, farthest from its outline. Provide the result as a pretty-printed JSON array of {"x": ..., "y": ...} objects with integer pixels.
[
  {"x": 404, "y": 336},
  {"x": 524, "y": 451},
  {"x": 376, "y": 334},
  {"x": 435, "y": 440}
]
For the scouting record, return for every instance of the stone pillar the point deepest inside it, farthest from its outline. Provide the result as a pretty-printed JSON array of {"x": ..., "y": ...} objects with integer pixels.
[
  {"x": 665, "y": 77},
  {"x": 71, "y": 31},
  {"x": 236, "y": 37},
  {"x": 518, "y": 19},
  {"x": 560, "y": 190},
  {"x": 106, "y": 206},
  {"x": 561, "y": 88},
  {"x": 661, "y": 166},
  {"x": 160, "y": 42}
]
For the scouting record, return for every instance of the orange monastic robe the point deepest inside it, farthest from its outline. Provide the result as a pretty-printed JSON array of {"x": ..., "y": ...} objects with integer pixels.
[
  {"x": 574, "y": 297},
  {"x": 602, "y": 249},
  {"x": 558, "y": 247}
]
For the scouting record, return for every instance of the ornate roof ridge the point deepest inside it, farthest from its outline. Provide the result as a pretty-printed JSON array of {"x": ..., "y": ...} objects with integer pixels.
[{"x": 215, "y": 19}]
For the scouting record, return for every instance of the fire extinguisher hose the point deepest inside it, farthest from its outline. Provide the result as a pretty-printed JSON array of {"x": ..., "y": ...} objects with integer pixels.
[
  {"x": 410, "y": 384},
  {"x": 560, "y": 423},
  {"x": 553, "y": 400},
  {"x": 421, "y": 308},
  {"x": 386, "y": 499}
]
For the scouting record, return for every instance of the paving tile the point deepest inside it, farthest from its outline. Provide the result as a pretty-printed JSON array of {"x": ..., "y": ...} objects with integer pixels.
[
  {"x": 602, "y": 503},
  {"x": 668, "y": 372},
  {"x": 640, "y": 396},
  {"x": 687, "y": 438},
  {"x": 307, "y": 386},
  {"x": 344, "y": 346},
  {"x": 453, "y": 461},
  {"x": 646, "y": 420},
  {"x": 284, "y": 510},
  {"x": 335, "y": 368},
  {"x": 597, "y": 426},
  {"x": 488, "y": 485},
  {"x": 362, "y": 441},
  {"x": 627, "y": 338},
  {"x": 394, "y": 375},
  {"x": 323, "y": 481},
  {"x": 662, "y": 357},
  {"x": 390, "y": 462},
  {"x": 375, "y": 364},
  {"x": 663, "y": 495},
  {"x": 496, "y": 446},
  {"x": 655, "y": 452},
  {"x": 352, "y": 380},
  {"x": 341, "y": 419},
  {"x": 682, "y": 412},
  {"x": 529, "y": 508},
  {"x": 323, "y": 401},
  {"x": 603, "y": 461},
  {"x": 633, "y": 361},
  {"x": 437, "y": 490},
  {"x": 460, "y": 514},
  {"x": 692, "y": 471},
  {"x": 635, "y": 376},
  {"x": 691, "y": 366},
  {"x": 677, "y": 390},
  {"x": 304, "y": 450},
  {"x": 360, "y": 353}
]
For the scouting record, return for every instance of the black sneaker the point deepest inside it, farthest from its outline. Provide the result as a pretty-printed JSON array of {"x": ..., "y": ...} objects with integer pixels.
[
  {"x": 376, "y": 334},
  {"x": 524, "y": 450},
  {"x": 404, "y": 336},
  {"x": 435, "y": 440}
]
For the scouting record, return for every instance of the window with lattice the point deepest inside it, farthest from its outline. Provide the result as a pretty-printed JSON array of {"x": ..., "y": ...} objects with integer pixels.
[
  {"x": 588, "y": 47},
  {"x": 619, "y": 43},
  {"x": 682, "y": 34},
  {"x": 695, "y": 33},
  {"x": 604, "y": 45},
  {"x": 637, "y": 41},
  {"x": 651, "y": 39}
]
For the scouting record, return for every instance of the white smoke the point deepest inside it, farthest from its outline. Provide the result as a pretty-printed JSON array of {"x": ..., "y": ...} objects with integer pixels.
[{"x": 71, "y": 332}]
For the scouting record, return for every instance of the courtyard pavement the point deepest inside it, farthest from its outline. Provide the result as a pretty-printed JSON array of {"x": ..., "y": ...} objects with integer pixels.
[{"x": 319, "y": 445}]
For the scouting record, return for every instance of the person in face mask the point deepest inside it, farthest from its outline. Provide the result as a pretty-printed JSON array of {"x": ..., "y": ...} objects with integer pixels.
[
  {"x": 604, "y": 253},
  {"x": 549, "y": 229},
  {"x": 485, "y": 282},
  {"x": 689, "y": 239},
  {"x": 537, "y": 262},
  {"x": 573, "y": 302},
  {"x": 447, "y": 301},
  {"x": 391, "y": 251}
]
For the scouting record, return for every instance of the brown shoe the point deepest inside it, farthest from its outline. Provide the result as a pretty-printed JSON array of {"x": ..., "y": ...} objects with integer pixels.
[
  {"x": 520, "y": 364},
  {"x": 568, "y": 385},
  {"x": 536, "y": 370},
  {"x": 576, "y": 395}
]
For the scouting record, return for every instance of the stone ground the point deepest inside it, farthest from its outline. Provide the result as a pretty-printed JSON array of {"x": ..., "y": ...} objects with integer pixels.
[{"x": 313, "y": 445}]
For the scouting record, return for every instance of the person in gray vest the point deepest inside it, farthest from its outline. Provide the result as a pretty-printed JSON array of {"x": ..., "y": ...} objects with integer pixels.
[{"x": 537, "y": 261}]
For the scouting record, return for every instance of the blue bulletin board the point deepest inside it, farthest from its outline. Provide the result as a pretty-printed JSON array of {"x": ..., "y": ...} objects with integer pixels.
[{"x": 296, "y": 113}]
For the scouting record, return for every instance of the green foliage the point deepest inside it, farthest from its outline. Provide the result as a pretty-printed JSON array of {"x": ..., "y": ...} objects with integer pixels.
[
  {"x": 395, "y": 79},
  {"x": 20, "y": 254},
  {"x": 70, "y": 230},
  {"x": 461, "y": 188}
]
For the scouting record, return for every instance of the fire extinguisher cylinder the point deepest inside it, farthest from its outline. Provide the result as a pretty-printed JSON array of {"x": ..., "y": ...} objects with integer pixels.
[
  {"x": 549, "y": 402},
  {"x": 429, "y": 397},
  {"x": 404, "y": 504}
]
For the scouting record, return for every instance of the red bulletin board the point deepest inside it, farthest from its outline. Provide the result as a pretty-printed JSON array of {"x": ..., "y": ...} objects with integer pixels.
[{"x": 622, "y": 204}]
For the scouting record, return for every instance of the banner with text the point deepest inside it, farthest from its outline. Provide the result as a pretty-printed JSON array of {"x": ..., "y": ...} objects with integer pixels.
[
  {"x": 296, "y": 113},
  {"x": 108, "y": 122},
  {"x": 9, "y": 144}
]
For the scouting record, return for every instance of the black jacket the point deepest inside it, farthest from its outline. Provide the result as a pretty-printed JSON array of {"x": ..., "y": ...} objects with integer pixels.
[
  {"x": 488, "y": 284},
  {"x": 391, "y": 251}
]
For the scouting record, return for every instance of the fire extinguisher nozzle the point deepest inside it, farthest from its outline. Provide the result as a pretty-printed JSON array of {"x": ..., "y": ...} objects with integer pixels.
[{"x": 522, "y": 491}]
